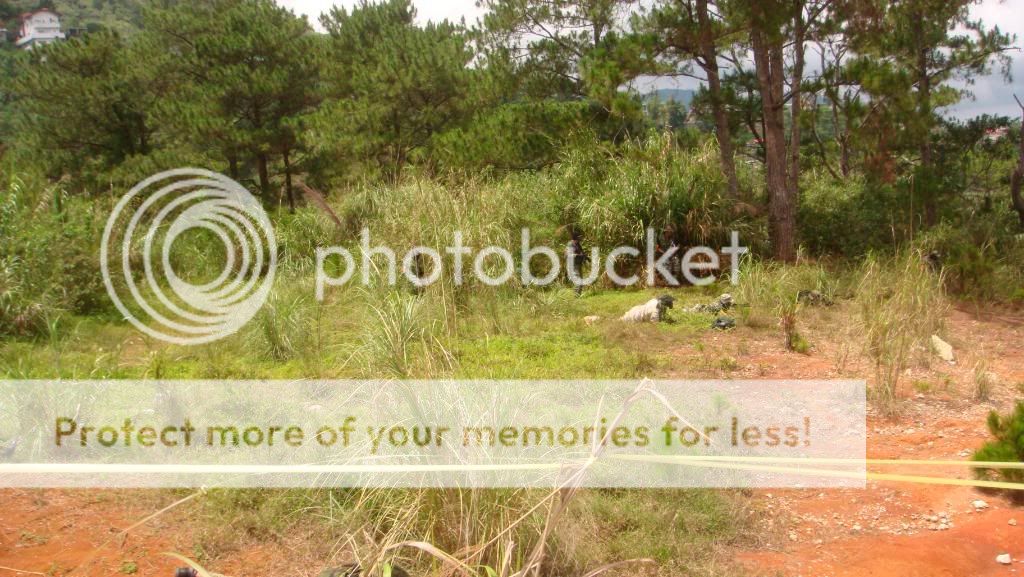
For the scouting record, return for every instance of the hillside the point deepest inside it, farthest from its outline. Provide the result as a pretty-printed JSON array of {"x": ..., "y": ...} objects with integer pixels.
[
  {"x": 122, "y": 15},
  {"x": 682, "y": 96}
]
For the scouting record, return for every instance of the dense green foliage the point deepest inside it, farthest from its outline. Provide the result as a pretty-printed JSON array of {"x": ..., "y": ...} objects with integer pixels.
[
  {"x": 1008, "y": 445},
  {"x": 533, "y": 107}
]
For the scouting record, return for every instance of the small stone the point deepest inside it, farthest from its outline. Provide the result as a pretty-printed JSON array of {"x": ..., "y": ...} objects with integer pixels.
[
  {"x": 591, "y": 319},
  {"x": 1003, "y": 559},
  {"x": 979, "y": 504},
  {"x": 1012, "y": 522}
]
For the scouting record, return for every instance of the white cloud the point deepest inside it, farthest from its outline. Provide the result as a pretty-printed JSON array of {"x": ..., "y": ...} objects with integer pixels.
[{"x": 425, "y": 10}]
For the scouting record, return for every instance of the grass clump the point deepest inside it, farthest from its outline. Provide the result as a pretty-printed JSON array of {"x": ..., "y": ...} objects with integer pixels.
[
  {"x": 984, "y": 382},
  {"x": 770, "y": 292},
  {"x": 901, "y": 304}
]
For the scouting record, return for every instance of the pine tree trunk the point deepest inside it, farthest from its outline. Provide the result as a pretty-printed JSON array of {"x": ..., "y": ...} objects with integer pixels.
[
  {"x": 799, "y": 32},
  {"x": 1017, "y": 179},
  {"x": 264, "y": 175},
  {"x": 930, "y": 200},
  {"x": 288, "y": 182},
  {"x": 723, "y": 134},
  {"x": 769, "y": 64}
]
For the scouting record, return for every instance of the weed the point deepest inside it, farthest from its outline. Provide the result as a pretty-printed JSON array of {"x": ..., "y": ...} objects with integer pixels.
[
  {"x": 769, "y": 290},
  {"x": 901, "y": 304},
  {"x": 923, "y": 387},
  {"x": 984, "y": 381},
  {"x": 798, "y": 344}
]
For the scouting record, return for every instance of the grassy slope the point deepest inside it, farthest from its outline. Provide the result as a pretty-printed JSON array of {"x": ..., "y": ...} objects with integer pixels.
[{"x": 536, "y": 335}]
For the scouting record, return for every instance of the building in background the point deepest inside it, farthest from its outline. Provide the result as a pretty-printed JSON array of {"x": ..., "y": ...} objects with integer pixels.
[{"x": 39, "y": 27}]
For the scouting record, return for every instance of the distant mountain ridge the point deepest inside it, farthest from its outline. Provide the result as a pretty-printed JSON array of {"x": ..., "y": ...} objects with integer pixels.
[{"x": 680, "y": 95}]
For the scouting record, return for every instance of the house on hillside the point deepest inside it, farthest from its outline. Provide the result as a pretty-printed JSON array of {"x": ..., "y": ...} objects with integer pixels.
[
  {"x": 996, "y": 134},
  {"x": 39, "y": 27}
]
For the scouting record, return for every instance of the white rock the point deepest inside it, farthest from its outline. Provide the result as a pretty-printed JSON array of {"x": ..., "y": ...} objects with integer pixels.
[
  {"x": 1012, "y": 522},
  {"x": 1003, "y": 559},
  {"x": 943, "y": 349},
  {"x": 979, "y": 504},
  {"x": 591, "y": 319}
]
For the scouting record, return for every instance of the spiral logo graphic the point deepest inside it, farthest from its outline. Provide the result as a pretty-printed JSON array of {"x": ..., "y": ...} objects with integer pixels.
[{"x": 166, "y": 206}]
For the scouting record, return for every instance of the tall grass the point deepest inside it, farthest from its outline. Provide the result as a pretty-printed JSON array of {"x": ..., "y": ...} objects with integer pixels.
[
  {"x": 768, "y": 293},
  {"x": 901, "y": 303}
]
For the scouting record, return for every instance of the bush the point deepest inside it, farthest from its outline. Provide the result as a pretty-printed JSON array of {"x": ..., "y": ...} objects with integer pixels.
[
  {"x": 1008, "y": 446},
  {"x": 981, "y": 259},
  {"x": 849, "y": 217},
  {"x": 49, "y": 258}
]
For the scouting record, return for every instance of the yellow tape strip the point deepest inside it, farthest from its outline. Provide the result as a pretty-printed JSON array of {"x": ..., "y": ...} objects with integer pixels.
[
  {"x": 712, "y": 462},
  {"x": 838, "y": 461}
]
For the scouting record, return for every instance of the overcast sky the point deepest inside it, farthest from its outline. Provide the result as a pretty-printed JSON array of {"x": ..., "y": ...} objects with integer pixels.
[{"x": 992, "y": 94}]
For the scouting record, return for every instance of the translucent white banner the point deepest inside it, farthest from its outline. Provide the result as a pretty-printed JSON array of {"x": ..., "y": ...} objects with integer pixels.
[{"x": 437, "y": 433}]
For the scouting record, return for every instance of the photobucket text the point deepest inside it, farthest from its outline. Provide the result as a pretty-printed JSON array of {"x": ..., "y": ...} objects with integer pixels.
[{"x": 493, "y": 265}]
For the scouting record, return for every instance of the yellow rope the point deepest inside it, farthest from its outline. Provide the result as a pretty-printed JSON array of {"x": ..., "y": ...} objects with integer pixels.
[
  {"x": 712, "y": 463},
  {"x": 839, "y": 461}
]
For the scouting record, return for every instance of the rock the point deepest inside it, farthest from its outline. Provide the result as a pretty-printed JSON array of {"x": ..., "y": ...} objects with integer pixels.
[
  {"x": 979, "y": 505},
  {"x": 1003, "y": 559},
  {"x": 1012, "y": 522},
  {"x": 591, "y": 319},
  {"x": 943, "y": 349}
]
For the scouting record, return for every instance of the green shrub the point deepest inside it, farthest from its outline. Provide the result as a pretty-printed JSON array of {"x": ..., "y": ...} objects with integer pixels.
[
  {"x": 981, "y": 260},
  {"x": 1008, "y": 446},
  {"x": 849, "y": 217},
  {"x": 49, "y": 257}
]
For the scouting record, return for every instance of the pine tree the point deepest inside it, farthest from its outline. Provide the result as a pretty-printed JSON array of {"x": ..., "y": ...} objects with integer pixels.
[
  {"x": 245, "y": 73},
  {"x": 83, "y": 105},
  {"x": 391, "y": 85},
  {"x": 909, "y": 51}
]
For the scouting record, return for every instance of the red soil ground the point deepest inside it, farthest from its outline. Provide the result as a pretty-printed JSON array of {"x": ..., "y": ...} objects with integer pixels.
[{"x": 886, "y": 530}]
